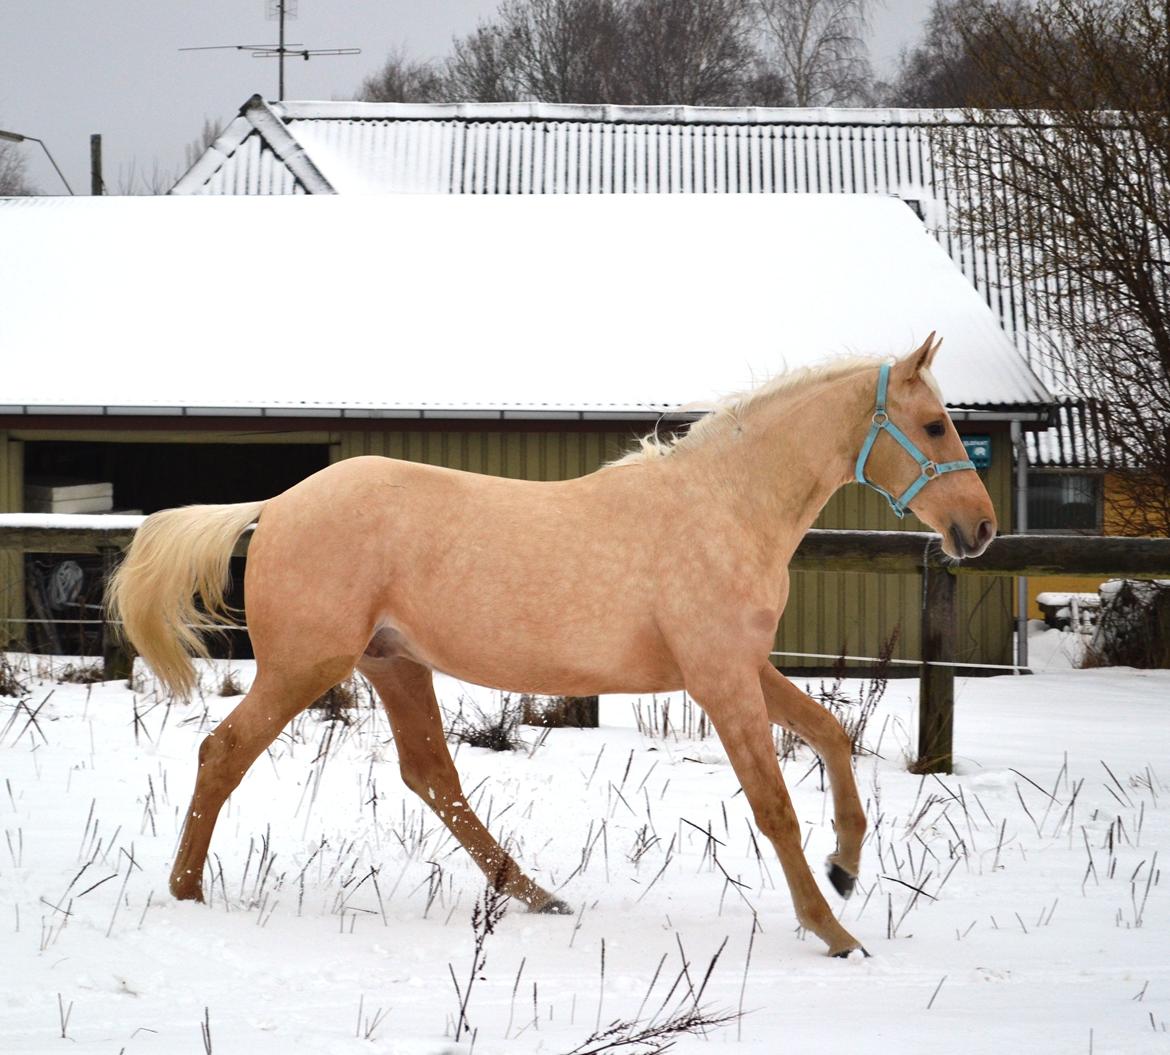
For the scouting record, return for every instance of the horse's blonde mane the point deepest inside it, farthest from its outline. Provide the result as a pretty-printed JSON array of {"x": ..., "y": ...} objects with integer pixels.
[{"x": 725, "y": 415}]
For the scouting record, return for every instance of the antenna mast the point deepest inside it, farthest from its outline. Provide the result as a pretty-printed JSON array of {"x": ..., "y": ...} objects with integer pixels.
[{"x": 278, "y": 11}]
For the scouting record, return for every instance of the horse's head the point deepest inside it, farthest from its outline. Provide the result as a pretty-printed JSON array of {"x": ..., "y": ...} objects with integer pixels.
[{"x": 913, "y": 455}]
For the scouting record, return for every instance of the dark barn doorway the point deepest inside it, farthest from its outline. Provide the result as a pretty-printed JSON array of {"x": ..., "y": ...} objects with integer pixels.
[{"x": 147, "y": 477}]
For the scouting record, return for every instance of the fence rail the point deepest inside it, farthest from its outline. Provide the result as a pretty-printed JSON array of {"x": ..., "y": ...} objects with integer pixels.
[{"x": 904, "y": 552}]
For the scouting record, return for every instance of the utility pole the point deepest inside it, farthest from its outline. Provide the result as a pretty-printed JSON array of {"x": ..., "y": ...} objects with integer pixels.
[{"x": 96, "y": 186}]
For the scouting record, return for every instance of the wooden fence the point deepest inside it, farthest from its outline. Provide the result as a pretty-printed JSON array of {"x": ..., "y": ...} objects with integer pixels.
[{"x": 862, "y": 551}]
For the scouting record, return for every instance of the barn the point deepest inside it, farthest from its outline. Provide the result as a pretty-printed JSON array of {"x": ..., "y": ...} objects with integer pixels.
[{"x": 219, "y": 348}]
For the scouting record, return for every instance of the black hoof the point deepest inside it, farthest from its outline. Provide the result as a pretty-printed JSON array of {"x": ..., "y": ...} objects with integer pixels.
[
  {"x": 842, "y": 881},
  {"x": 555, "y": 907},
  {"x": 847, "y": 952}
]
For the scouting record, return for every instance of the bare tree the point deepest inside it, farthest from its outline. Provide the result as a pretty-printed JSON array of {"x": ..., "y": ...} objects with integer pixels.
[
  {"x": 687, "y": 52},
  {"x": 208, "y": 134},
  {"x": 13, "y": 180},
  {"x": 1067, "y": 183},
  {"x": 482, "y": 67},
  {"x": 690, "y": 52},
  {"x": 953, "y": 65},
  {"x": 564, "y": 51},
  {"x": 819, "y": 47},
  {"x": 405, "y": 80},
  {"x": 133, "y": 180}
]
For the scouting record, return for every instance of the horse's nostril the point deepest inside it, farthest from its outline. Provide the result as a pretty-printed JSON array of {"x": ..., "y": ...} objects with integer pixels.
[{"x": 984, "y": 533}]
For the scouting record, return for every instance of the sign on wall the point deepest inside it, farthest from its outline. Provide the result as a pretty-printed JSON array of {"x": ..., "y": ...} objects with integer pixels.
[{"x": 978, "y": 450}]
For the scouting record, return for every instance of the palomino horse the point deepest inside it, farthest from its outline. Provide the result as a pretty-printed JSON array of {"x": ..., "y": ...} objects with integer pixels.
[{"x": 665, "y": 570}]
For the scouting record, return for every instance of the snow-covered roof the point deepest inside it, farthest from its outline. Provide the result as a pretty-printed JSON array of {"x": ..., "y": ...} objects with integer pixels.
[
  {"x": 349, "y": 147},
  {"x": 469, "y": 306}
]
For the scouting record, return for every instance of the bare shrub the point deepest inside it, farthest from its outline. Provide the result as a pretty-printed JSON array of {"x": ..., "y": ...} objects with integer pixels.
[
  {"x": 489, "y": 910},
  {"x": 80, "y": 674},
  {"x": 229, "y": 684},
  {"x": 495, "y": 730},
  {"x": 854, "y": 712},
  {"x": 11, "y": 683},
  {"x": 336, "y": 704}
]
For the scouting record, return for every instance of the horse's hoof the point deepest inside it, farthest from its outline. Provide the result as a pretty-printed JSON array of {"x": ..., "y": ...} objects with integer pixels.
[
  {"x": 842, "y": 881},
  {"x": 844, "y": 954},
  {"x": 555, "y": 907},
  {"x": 185, "y": 886}
]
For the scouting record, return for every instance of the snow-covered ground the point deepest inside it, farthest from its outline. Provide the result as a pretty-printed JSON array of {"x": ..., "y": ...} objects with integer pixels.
[{"x": 340, "y": 910}]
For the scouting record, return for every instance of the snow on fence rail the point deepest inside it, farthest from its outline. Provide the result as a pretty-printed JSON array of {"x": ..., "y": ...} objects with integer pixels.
[{"x": 862, "y": 551}]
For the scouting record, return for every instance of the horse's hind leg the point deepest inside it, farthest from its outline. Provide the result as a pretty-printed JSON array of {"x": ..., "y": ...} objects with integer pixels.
[
  {"x": 224, "y": 757},
  {"x": 408, "y": 695},
  {"x": 791, "y": 708}
]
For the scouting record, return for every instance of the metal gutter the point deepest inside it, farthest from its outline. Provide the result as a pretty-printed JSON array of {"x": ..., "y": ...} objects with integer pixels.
[{"x": 615, "y": 412}]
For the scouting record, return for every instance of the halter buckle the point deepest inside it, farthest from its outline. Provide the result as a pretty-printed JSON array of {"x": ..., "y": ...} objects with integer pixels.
[
  {"x": 930, "y": 470},
  {"x": 880, "y": 417}
]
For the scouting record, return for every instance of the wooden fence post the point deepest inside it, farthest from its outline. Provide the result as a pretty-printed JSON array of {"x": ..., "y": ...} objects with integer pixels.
[
  {"x": 936, "y": 687},
  {"x": 117, "y": 662}
]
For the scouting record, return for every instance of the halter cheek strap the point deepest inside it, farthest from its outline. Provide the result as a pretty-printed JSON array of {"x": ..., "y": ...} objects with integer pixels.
[{"x": 928, "y": 470}]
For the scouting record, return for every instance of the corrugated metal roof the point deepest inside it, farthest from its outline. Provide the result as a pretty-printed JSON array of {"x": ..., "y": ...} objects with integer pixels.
[
  {"x": 520, "y": 306},
  {"x": 1076, "y": 440}
]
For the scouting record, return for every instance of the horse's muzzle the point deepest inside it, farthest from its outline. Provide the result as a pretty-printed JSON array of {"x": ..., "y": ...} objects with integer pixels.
[{"x": 980, "y": 540}]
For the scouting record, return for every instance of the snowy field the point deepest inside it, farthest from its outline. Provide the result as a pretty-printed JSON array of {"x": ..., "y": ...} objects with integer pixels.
[{"x": 1014, "y": 906}]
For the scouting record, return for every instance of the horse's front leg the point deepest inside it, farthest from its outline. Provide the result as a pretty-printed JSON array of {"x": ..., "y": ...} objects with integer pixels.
[
  {"x": 791, "y": 708},
  {"x": 734, "y": 701}
]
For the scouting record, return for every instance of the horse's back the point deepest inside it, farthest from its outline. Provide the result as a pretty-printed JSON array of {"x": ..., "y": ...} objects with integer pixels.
[{"x": 545, "y": 586}]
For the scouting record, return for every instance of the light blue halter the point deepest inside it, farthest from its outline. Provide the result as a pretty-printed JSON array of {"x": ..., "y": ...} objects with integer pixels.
[{"x": 929, "y": 470}]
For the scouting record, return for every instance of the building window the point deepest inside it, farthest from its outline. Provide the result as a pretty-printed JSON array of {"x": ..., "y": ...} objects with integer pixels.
[{"x": 1064, "y": 502}]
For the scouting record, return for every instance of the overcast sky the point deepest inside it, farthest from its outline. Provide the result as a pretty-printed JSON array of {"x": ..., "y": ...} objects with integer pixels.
[{"x": 72, "y": 67}]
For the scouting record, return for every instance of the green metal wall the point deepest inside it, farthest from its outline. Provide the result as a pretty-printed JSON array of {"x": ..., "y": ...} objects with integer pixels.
[{"x": 528, "y": 455}]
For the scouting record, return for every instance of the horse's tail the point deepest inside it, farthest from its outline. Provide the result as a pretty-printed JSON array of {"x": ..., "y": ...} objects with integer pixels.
[{"x": 176, "y": 555}]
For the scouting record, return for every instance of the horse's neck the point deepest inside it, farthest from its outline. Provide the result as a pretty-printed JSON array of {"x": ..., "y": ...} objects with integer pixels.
[{"x": 787, "y": 456}]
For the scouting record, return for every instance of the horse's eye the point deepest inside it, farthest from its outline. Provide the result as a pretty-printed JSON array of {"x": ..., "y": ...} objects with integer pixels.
[{"x": 936, "y": 429}]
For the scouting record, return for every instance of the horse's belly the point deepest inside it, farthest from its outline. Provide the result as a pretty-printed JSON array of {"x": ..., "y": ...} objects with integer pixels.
[{"x": 559, "y": 661}]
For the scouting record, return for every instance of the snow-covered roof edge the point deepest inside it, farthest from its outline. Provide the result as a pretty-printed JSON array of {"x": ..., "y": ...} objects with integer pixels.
[{"x": 335, "y": 110}]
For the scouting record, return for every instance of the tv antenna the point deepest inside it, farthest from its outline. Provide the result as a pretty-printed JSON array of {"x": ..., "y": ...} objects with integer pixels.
[{"x": 278, "y": 11}]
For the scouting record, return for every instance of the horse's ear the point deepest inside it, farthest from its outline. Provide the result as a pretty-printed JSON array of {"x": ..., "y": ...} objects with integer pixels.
[{"x": 922, "y": 358}]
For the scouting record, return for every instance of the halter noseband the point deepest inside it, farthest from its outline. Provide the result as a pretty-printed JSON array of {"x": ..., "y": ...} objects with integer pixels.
[{"x": 929, "y": 470}]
